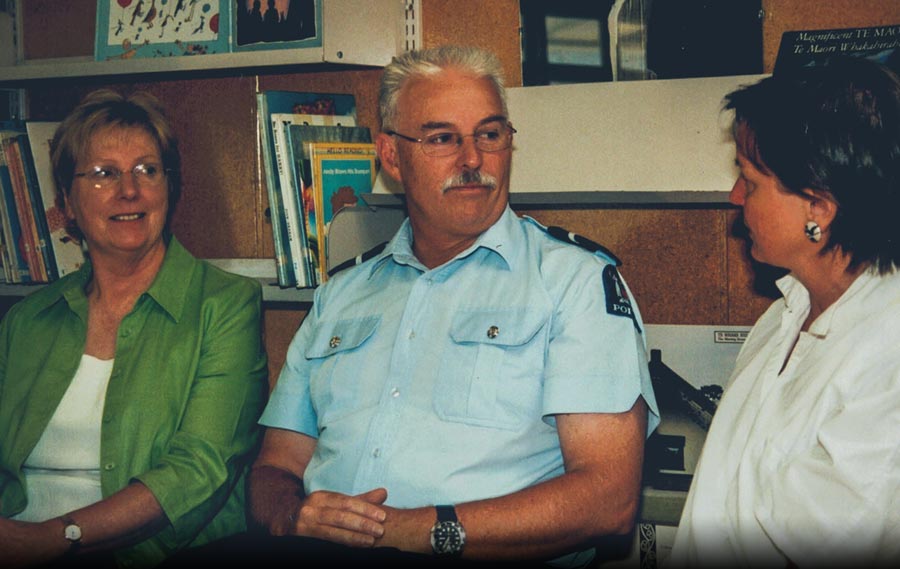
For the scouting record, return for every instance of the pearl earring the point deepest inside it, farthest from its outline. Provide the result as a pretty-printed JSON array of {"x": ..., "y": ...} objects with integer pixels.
[{"x": 813, "y": 231}]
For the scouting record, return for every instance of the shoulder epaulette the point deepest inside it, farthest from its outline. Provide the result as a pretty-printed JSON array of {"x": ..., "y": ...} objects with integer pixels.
[
  {"x": 583, "y": 242},
  {"x": 359, "y": 259}
]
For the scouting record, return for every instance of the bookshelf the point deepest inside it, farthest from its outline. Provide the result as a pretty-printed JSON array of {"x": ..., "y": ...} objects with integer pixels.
[
  {"x": 358, "y": 38},
  {"x": 263, "y": 270}
]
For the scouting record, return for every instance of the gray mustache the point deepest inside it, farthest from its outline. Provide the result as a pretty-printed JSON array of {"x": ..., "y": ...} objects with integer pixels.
[{"x": 470, "y": 177}]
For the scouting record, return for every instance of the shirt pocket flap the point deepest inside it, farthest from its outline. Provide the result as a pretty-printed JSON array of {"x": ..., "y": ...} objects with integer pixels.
[
  {"x": 341, "y": 335},
  {"x": 503, "y": 327}
]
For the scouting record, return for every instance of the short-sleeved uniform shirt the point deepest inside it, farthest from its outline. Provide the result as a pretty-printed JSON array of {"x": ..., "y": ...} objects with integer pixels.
[{"x": 441, "y": 385}]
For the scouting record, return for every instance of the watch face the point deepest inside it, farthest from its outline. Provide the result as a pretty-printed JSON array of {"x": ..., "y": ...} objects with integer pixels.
[
  {"x": 447, "y": 538},
  {"x": 73, "y": 532}
]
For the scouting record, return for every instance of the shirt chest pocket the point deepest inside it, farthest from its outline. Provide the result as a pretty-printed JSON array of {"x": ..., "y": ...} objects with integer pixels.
[
  {"x": 491, "y": 373},
  {"x": 337, "y": 356}
]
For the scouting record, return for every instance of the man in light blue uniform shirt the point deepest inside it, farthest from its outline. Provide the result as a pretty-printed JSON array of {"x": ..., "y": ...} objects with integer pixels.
[{"x": 478, "y": 389}]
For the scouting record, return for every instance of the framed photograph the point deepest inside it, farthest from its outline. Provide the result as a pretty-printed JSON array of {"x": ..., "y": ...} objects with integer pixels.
[
  {"x": 276, "y": 24},
  {"x": 161, "y": 28}
]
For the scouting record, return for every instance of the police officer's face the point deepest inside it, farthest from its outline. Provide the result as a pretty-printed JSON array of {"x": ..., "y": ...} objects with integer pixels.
[{"x": 455, "y": 197}]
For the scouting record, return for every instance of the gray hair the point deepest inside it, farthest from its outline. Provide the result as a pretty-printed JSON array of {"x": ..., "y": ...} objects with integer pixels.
[{"x": 432, "y": 61}]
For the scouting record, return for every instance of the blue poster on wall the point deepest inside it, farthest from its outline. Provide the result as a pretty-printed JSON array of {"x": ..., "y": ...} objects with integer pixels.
[{"x": 161, "y": 28}]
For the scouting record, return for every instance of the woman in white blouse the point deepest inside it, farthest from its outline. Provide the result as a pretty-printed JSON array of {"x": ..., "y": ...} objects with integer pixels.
[{"x": 801, "y": 466}]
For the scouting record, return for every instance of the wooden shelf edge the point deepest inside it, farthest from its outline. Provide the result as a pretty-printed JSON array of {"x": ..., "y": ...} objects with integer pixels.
[
  {"x": 263, "y": 270},
  {"x": 72, "y": 67},
  {"x": 587, "y": 198}
]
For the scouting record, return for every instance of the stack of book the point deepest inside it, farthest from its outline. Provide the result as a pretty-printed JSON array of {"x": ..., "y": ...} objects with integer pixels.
[
  {"x": 316, "y": 161},
  {"x": 35, "y": 246}
]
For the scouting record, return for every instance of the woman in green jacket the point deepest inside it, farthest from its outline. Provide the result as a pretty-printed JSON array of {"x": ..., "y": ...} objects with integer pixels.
[{"x": 129, "y": 390}]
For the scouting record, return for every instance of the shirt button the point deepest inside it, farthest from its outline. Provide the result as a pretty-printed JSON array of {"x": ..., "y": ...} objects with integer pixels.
[
  {"x": 334, "y": 342},
  {"x": 412, "y": 334},
  {"x": 493, "y": 332},
  {"x": 109, "y": 466},
  {"x": 376, "y": 453},
  {"x": 395, "y": 392}
]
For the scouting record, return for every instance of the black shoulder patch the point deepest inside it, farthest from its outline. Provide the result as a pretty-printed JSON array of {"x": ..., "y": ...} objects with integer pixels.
[
  {"x": 617, "y": 301},
  {"x": 583, "y": 242},
  {"x": 358, "y": 260}
]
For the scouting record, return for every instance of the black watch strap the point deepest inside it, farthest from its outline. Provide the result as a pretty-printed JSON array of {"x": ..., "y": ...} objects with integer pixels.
[
  {"x": 448, "y": 537},
  {"x": 446, "y": 514}
]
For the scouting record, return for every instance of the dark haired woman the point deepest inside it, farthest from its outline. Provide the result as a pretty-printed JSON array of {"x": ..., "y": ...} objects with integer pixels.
[{"x": 801, "y": 466}]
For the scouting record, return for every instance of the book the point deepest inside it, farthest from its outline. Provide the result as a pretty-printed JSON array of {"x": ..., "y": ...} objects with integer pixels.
[
  {"x": 294, "y": 225},
  {"x": 818, "y": 47},
  {"x": 273, "y": 102},
  {"x": 65, "y": 247},
  {"x": 299, "y": 137},
  {"x": 15, "y": 264},
  {"x": 29, "y": 240},
  {"x": 37, "y": 207},
  {"x": 341, "y": 172}
]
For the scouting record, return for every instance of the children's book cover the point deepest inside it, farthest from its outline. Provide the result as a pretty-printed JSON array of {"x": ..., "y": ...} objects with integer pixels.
[
  {"x": 341, "y": 172},
  {"x": 291, "y": 186},
  {"x": 300, "y": 137}
]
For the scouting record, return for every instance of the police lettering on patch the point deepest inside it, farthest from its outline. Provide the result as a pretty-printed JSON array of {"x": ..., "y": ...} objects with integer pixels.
[{"x": 617, "y": 301}]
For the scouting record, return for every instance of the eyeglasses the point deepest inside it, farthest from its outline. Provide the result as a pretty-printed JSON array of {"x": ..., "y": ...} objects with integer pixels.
[
  {"x": 491, "y": 138},
  {"x": 144, "y": 176}
]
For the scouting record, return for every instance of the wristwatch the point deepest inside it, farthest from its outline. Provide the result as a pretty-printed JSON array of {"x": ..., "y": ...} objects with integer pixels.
[
  {"x": 447, "y": 535},
  {"x": 72, "y": 533}
]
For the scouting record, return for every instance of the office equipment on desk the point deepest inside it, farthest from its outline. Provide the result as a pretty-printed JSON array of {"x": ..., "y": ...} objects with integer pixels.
[
  {"x": 690, "y": 366},
  {"x": 699, "y": 404}
]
